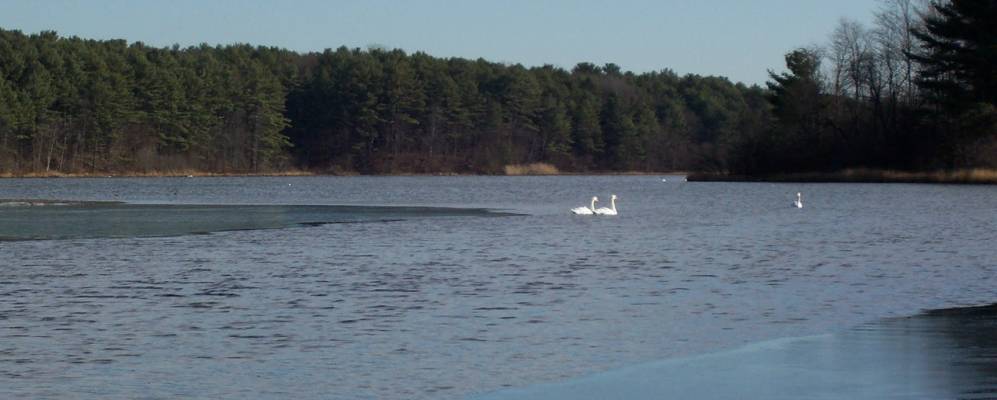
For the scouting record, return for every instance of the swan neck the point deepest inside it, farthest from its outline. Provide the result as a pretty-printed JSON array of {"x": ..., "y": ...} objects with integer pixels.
[{"x": 612, "y": 204}]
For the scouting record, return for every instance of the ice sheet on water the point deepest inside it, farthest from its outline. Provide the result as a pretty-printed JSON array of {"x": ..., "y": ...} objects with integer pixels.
[
  {"x": 940, "y": 354},
  {"x": 40, "y": 220}
]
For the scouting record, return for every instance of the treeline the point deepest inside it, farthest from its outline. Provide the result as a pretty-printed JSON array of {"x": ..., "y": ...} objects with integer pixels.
[
  {"x": 380, "y": 110},
  {"x": 872, "y": 98},
  {"x": 915, "y": 91},
  {"x": 74, "y": 105}
]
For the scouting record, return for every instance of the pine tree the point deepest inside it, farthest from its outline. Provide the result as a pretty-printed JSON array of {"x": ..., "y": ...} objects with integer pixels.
[
  {"x": 798, "y": 108},
  {"x": 960, "y": 61},
  {"x": 587, "y": 132}
]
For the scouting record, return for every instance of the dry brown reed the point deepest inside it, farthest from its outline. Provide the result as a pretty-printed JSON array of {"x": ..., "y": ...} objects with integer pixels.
[{"x": 531, "y": 169}]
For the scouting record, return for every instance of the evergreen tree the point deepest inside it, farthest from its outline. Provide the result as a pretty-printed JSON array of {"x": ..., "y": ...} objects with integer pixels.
[
  {"x": 959, "y": 73},
  {"x": 555, "y": 129},
  {"x": 587, "y": 131},
  {"x": 960, "y": 63},
  {"x": 401, "y": 99},
  {"x": 798, "y": 110}
]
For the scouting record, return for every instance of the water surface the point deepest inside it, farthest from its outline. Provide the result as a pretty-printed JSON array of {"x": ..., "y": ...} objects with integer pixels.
[{"x": 451, "y": 306}]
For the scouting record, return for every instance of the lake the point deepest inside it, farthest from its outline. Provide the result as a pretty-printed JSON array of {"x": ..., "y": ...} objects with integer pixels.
[{"x": 466, "y": 287}]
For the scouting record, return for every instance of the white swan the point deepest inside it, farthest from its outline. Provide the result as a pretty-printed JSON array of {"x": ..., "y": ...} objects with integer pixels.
[
  {"x": 586, "y": 210},
  {"x": 611, "y": 210},
  {"x": 798, "y": 203}
]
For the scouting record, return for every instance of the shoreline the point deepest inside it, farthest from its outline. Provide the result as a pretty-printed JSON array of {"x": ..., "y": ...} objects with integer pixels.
[
  {"x": 978, "y": 176},
  {"x": 299, "y": 173},
  {"x": 960, "y": 176},
  {"x": 151, "y": 174}
]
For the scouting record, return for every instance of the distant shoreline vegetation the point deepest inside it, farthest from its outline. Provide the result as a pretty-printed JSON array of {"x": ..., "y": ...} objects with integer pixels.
[
  {"x": 962, "y": 176},
  {"x": 910, "y": 93},
  {"x": 534, "y": 169}
]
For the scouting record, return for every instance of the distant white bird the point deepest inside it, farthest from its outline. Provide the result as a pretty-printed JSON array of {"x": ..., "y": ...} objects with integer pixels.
[
  {"x": 798, "y": 203},
  {"x": 611, "y": 210},
  {"x": 586, "y": 210}
]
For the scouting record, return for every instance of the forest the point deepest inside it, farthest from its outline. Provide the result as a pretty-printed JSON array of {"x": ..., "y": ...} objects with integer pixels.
[{"x": 917, "y": 90}]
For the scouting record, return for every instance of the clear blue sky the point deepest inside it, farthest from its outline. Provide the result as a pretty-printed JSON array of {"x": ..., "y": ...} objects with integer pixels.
[{"x": 738, "y": 39}]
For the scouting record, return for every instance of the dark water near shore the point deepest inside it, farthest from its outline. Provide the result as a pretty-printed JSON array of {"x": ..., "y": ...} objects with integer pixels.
[{"x": 494, "y": 285}]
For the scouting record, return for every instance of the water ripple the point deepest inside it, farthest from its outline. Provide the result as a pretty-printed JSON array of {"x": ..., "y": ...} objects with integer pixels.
[{"x": 448, "y": 305}]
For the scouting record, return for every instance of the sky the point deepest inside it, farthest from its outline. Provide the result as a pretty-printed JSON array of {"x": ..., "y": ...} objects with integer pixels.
[{"x": 738, "y": 39}]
